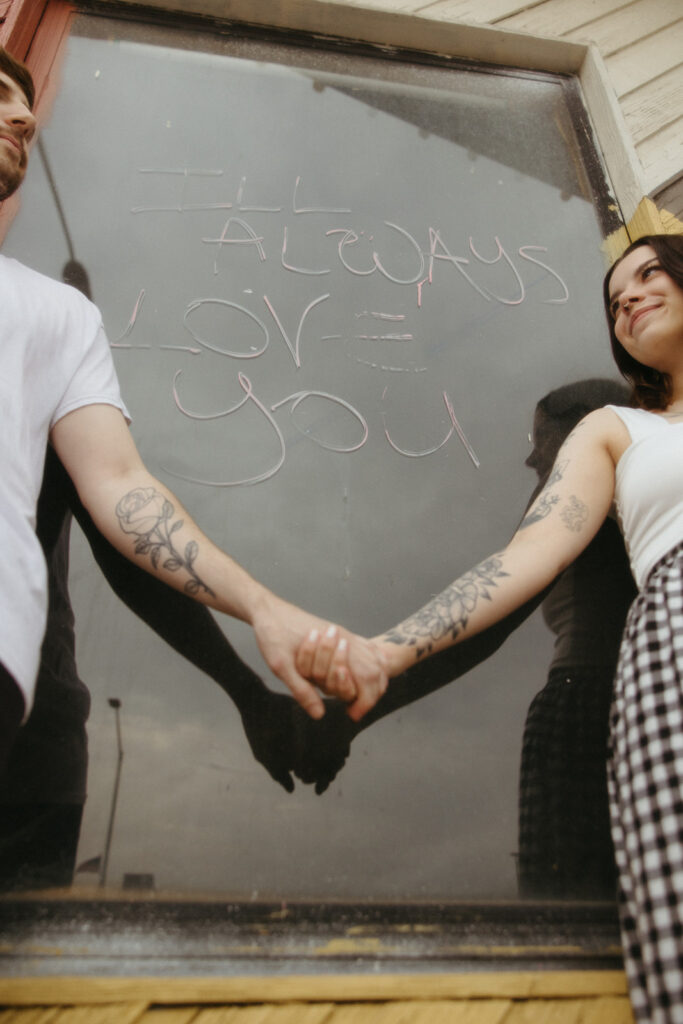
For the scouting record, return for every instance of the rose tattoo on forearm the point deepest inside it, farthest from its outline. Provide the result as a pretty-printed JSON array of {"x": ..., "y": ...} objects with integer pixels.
[{"x": 147, "y": 514}]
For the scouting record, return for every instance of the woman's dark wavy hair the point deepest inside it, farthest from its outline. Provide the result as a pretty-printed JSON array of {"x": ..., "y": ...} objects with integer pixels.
[
  {"x": 650, "y": 389},
  {"x": 19, "y": 73}
]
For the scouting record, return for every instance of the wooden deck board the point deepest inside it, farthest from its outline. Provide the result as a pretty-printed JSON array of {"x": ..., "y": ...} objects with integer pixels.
[
  {"x": 543, "y": 997},
  {"x": 351, "y": 988},
  {"x": 37, "y": 1015},
  {"x": 114, "y": 1013},
  {"x": 162, "y": 1015},
  {"x": 601, "y": 1010},
  {"x": 487, "y": 1011}
]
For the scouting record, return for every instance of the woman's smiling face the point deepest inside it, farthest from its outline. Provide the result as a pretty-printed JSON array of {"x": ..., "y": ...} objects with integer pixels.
[{"x": 647, "y": 307}]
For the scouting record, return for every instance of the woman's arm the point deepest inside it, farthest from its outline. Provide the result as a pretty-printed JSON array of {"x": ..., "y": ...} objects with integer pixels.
[{"x": 560, "y": 523}]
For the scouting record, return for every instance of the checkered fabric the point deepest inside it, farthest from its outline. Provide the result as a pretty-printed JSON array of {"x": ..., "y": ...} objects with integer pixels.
[{"x": 645, "y": 778}]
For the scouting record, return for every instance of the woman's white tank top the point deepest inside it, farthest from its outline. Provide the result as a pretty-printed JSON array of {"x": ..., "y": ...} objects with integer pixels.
[{"x": 649, "y": 488}]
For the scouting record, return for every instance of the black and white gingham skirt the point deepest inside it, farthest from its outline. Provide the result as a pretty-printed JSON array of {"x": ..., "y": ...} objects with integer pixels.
[{"x": 645, "y": 780}]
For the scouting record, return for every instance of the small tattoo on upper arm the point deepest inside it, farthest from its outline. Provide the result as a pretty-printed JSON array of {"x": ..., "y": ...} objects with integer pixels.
[
  {"x": 575, "y": 514},
  {"x": 556, "y": 473},
  {"x": 539, "y": 510},
  {"x": 147, "y": 514}
]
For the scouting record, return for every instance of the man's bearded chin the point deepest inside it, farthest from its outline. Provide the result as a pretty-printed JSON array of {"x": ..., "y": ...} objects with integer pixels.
[{"x": 10, "y": 180}]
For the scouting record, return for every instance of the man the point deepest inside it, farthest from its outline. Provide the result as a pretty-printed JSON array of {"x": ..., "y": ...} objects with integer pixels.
[{"x": 58, "y": 384}]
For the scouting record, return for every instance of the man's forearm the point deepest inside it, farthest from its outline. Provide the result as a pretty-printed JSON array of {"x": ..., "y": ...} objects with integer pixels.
[
  {"x": 147, "y": 524},
  {"x": 151, "y": 528}
]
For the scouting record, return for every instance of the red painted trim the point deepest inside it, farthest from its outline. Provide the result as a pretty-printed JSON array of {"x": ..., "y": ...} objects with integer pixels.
[
  {"x": 47, "y": 51},
  {"x": 20, "y": 21},
  {"x": 35, "y": 31}
]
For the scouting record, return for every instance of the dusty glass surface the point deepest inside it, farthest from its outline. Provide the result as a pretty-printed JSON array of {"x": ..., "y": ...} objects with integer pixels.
[{"x": 336, "y": 289}]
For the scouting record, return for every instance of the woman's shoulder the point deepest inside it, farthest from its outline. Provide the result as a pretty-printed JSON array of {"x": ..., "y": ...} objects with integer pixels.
[
  {"x": 609, "y": 427},
  {"x": 606, "y": 419}
]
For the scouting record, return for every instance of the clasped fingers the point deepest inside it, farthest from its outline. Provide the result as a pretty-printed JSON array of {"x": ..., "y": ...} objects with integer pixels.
[{"x": 345, "y": 666}]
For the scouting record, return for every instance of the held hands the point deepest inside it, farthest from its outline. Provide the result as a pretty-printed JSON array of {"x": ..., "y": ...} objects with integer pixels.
[
  {"x": 334, "y": 657},
  {"x": 302, "y": 649}
]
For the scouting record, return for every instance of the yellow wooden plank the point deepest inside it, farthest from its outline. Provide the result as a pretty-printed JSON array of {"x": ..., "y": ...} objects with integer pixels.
[
  {"x": 608, "y": 1010},
  {"x": 460, "y": 1011},
  {"x": 357, "y": 1013},
  {"x": 35, "y": 1015},
  {"x": 396, "y": 1012},
  {"x": 645, "y": 221},
  {"x": 557, "y": 1011},
  {"x": 297, "y": 1013},
  {"x": 634, "y": 65},
  {"x": 255, "y": 1014},
  {"x": 162, "y": 1015},
  {"x": 119, "y": 1013},
  {"x": 627, "y": 25},
  {"x": 557, "y": 17},
  {"x": 654, "y": 105},
  {"x": 264, "y": 1013},
  {"x": 316, "y": 988},
  {"x": 670, "y": 222},
  {"x": 219, "y": 1015}
]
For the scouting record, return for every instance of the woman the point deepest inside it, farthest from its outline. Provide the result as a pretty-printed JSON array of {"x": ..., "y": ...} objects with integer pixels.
[{"x": 630, "y": 456}]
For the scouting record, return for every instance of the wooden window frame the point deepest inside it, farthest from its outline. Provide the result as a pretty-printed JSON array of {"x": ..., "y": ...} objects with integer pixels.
[{"x": 36, "y": 31}]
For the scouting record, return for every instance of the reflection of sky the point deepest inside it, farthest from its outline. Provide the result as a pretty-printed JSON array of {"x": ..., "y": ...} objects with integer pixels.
[{"x": 362, "y": 537}]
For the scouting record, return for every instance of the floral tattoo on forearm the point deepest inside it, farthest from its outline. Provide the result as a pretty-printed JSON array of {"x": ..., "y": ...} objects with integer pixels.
[
  {"x": 147, "y": 514},
  {"x": 448, "y": 613}
]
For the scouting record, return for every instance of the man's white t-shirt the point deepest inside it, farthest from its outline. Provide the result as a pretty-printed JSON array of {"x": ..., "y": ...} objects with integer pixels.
[{"x": 55, "y": 359}]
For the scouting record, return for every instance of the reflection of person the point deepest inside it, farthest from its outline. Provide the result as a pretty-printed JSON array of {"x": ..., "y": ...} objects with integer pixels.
[
  {"x": 58, "y": 383},
  {"x": 43, "y": 788},
  {"x": 565, "y": 849},
  {"x": 631, "y": 456}
]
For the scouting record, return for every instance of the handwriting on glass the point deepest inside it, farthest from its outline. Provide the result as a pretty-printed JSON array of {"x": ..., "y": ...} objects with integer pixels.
[{"x": 407, "y": 260}]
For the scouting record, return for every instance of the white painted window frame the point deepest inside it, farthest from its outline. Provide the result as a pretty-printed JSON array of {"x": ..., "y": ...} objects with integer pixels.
[{"x": 367, "y": 22}]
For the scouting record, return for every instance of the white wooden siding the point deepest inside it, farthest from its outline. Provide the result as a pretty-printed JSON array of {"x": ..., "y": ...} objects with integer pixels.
[
  {"x": 640, "y": 41},
  {"x": 642, "y": 46}
]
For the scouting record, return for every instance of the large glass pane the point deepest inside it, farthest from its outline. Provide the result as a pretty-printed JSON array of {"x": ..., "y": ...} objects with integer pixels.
[{"x": 336, "y": 289}]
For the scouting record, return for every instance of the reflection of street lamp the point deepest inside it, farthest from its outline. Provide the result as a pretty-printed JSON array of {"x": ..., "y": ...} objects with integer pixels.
[
  {"x": 114, "y": 703},
  {"x": 73, "y": 272}
]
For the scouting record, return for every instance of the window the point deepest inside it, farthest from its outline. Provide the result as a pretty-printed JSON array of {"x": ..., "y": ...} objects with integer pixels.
[{"x": 337, "y": 287}]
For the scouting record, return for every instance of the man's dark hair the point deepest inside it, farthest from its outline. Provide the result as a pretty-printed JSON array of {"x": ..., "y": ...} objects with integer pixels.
[
  {"x": 650, "y": 388},
  {"x": 19, "y": 73}
]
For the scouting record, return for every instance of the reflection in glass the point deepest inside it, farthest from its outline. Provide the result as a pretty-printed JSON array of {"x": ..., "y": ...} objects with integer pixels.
[
  {"x": 416, "y": 261},
  {"x": 565, "y": 848}
]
